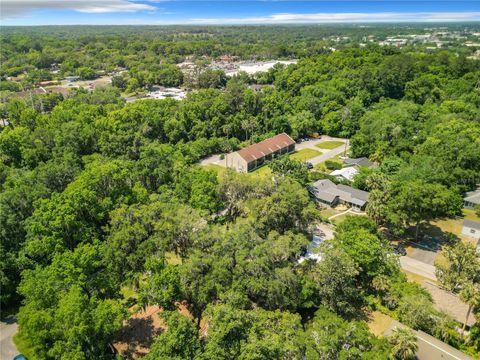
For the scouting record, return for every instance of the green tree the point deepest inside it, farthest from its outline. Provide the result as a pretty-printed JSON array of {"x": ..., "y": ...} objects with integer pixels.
[
  {"x": 416, "y": 201},
  {"x": 289, "y": 207},
  {"x": 178, "y": 342},
  {"x": 335, "y": 278},
  {"x": 286, "y": 167},
  {"x": 462, "y": 266},
  {"x": 328, "y": 336},
  {"x": 86, "y": 73},
  {"x": 470, "y": 294},
  {"x": 404, "y": 344}
]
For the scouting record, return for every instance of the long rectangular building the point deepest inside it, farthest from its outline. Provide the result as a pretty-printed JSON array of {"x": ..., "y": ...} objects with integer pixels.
[
  {"x": 254, "y": 156},
  {"x": 328, "y": 193}
]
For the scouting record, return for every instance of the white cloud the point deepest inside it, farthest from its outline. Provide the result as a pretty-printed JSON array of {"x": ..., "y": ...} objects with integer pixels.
[
  {"x": 289, "y": 18},
  {"x": 15, "y": 8}
]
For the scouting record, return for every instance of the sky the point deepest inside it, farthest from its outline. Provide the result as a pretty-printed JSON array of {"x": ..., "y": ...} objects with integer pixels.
[{"x": 230, "y": 12}]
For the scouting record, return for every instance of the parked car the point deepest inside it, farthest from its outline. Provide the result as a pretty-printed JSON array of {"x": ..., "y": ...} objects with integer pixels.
[
  {"x": 20, "y": 357},
  {"x": 400, "y": 250},
  {"x": 308, "y": 165}
]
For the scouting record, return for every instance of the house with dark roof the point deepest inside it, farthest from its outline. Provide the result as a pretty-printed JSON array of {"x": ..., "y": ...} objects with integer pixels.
[
  {"x": 328, "y": 193},
  {"x": 254, "y": 156},
  {"x": 471, "y": 199},
  {"x": 359, "y": 162}
]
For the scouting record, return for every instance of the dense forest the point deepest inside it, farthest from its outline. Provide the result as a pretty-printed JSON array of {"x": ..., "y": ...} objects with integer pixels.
[{"x": 104, "y": 207}]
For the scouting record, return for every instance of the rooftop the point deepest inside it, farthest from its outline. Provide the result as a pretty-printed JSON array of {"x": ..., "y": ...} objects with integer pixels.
[
  {"x": 363, "y": 161},
  {"x": 326, "y": 190},
  {"x": 473, "y": 196},
  {"x": 449, "y": 303},
  {"x": 471, "y": 224},
  {"x": 348, "y": 173},
  {"x": 265, "y": 147}
]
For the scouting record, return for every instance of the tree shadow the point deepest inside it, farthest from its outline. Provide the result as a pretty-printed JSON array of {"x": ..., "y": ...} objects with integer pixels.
[
  {"x": 137, "y": 334},
  {"x": 9, "y": 320},
  {"x": 433, "y": 237}
]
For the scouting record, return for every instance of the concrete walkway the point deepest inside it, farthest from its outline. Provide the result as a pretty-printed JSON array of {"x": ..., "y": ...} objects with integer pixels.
[
  {"x": 418, "y": 267},
  {"x": 8, "y": 328}
]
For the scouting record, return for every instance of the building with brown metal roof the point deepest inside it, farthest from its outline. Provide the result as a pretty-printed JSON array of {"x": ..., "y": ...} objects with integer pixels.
[{"x": 254, "y": 156}]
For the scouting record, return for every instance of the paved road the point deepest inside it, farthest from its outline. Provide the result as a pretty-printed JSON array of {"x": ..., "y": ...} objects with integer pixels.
[
  {"x": 8, "y": 328},
  {"x": 326, "y": 154},
  {"x": 418, "y": 267}
]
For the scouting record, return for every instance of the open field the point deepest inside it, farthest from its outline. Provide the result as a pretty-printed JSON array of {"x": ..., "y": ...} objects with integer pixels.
[{"x": 329, "y": 145}]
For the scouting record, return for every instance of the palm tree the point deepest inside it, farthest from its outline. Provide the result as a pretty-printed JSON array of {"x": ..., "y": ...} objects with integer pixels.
[
  {"x": 404, "y": 344},
  {"x": 470, "y": 294}
]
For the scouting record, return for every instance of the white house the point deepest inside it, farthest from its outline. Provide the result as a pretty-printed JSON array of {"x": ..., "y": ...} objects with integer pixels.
[
  {"x": 471, "y": 228},
  {"x": 345, "y": 174}
]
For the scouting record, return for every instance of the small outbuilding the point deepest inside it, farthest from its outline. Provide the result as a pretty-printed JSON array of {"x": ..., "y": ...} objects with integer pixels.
[
  {"x": 254, "y": 156},
  {"x": 471, "y": 229},
  {"x": 347, "y": 173},
  {"x": 472, "y": 199},
  {"x": 359, "y": 162}
]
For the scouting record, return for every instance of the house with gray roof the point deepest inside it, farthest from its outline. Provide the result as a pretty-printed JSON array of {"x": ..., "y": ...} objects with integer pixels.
[
  {"x": 359, "y": 162},
  {"x": 471, "y": 199},
  {"x": 328, "y": 193}
]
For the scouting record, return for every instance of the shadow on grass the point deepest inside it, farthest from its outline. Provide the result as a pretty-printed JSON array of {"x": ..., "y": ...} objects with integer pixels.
[{"x": 138, "y": 334}]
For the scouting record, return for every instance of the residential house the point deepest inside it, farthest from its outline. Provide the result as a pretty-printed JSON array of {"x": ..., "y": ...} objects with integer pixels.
[
  {"x": 326, "y": 192},
  {"x": 472, "y": 199},
  {"x": 72, "y": 78},
  {"x": 347, "y": 173},
  {"x": 359, "y": 162},
  {"x": 254, "y": 156}
]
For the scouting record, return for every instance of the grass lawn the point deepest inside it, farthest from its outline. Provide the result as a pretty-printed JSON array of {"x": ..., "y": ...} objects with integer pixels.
[
  {"x": 304, "y": 154},
  {"x": 327, "y": 212},
  {"x": 470, "y": 215},
  {"x": 439, "y": 228},
  {"x": 339, "y": 219},
  {"x": 378, "y": 323},
  {"x": 329, "y": 144},
  {"x": 321, "y": 166},
  {"x": 415, "y": 277},
  {"x": 262, "y": 172}
]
